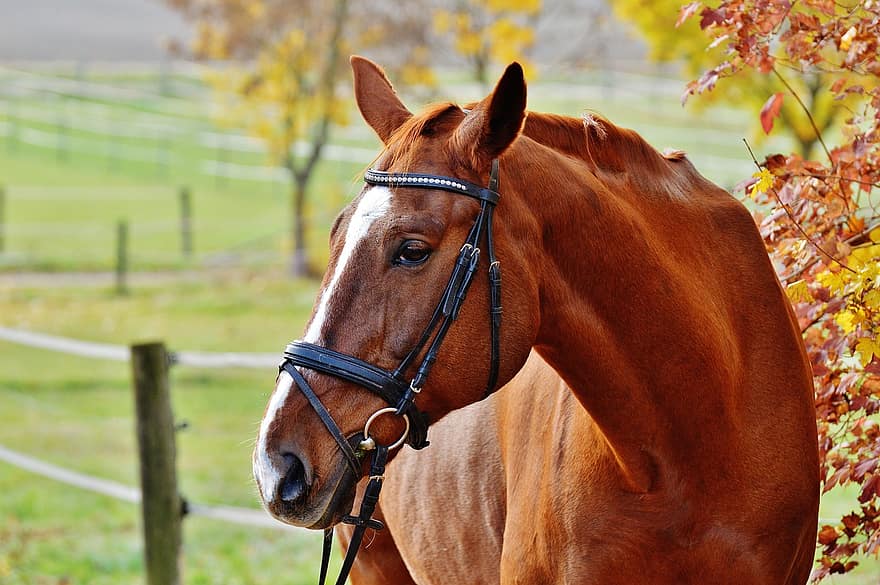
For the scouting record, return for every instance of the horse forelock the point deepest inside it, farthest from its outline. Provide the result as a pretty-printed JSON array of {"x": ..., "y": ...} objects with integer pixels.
[{"x": 402, "y": 147}]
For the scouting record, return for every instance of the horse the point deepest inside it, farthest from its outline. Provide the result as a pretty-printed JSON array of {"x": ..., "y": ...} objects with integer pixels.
[{"x": 656, "y": 423}]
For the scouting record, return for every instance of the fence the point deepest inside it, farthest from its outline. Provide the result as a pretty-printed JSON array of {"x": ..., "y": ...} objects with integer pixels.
[
  {"x": 165, "y": 228},
  {"x": 161, "y": 504},
  {"x": 79, "y": 115}
]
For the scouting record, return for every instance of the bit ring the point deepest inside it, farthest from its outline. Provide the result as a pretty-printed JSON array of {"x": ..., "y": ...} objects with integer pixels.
[{"x": 376, "y": 415}]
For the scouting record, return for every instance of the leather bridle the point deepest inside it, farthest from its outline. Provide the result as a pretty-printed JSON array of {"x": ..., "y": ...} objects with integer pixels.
[{"x": 392, "y": 385}]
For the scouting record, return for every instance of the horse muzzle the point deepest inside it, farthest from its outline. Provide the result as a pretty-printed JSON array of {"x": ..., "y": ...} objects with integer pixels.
[{"x": 298, "y": 499}]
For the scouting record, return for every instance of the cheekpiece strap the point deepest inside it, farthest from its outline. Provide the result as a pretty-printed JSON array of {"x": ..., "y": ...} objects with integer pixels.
[{"x": 424, "y": 181}]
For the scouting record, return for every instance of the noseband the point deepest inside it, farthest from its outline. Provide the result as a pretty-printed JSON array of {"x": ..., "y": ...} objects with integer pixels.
[{"x": 392, "y": 385}]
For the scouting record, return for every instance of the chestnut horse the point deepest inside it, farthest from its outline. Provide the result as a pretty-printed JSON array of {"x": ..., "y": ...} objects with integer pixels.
[{"x": 661, "y": 432}]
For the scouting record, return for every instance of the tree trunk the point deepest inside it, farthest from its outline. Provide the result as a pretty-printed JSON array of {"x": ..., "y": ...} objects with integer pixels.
[
  {"x": 299, "y": 258},
  {"x": 300, "y": 176}
]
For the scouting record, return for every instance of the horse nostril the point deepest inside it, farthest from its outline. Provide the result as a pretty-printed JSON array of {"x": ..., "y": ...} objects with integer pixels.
[{"x": 293, "y": 487}]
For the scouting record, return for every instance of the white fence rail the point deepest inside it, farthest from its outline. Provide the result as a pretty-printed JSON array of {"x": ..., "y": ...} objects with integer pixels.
[
  {"x": 119, "y": 491},
  {"x": 120, "y": 353}
]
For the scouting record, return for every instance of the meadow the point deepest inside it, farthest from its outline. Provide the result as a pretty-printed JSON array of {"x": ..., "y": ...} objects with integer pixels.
[{"x": 80, "y": 152}]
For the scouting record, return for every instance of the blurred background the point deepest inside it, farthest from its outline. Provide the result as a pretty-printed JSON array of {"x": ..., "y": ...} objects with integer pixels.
[{"x": 169, "y": 171}]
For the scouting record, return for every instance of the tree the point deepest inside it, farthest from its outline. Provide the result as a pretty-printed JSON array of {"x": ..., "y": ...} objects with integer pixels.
[
  {"x": 676, "y": 39},
  {"x": 286, "y": 59},
  {"x": 820, "y": 221},
  {"x": 489, "y": 32}
]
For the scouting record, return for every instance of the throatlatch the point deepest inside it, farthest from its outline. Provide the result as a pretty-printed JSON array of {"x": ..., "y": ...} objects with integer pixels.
[{"x": 393, "y": 386}]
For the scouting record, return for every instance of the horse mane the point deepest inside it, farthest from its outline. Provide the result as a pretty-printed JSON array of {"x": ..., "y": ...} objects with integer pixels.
[
  {"x": 613, "y": 150},
  {"x": 608, "y": 149}
]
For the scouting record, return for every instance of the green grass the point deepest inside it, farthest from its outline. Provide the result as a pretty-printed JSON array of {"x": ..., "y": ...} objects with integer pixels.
[{"x": 63, "y": 216}]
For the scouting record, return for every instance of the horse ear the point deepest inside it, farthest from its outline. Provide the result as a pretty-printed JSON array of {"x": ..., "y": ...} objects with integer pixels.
[
  {"x": 376, "y": 99},
  {"x": 494, "y": 123}
]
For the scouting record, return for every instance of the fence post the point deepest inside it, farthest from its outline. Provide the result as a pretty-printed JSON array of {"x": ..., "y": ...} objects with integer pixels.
[
  {"x": 2, "y": 219},
  {"x": 162, "y": 506},
  {"x": 122, "y": 257},
  {"x": 61, "y": 144},
  {"x": 12, "y": 117},
  {"x": 186, "y": 243}
]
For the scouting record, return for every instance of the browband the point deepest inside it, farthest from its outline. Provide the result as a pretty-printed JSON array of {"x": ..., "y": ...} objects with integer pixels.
[{"x": 374, "y": 177}]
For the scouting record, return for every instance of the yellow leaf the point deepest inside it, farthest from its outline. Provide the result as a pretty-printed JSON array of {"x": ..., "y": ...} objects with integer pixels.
[
  {"x": 864, "y": 254},
  {"x": 798, "y": 292},
  {"x": 468, "y": 44},
  {"x": 833, "y": 281},
  {"x": 846, "y": 321},
  {"x": 872, "y": 299},
  {"x": 763, "y": 184},
  {"x": 867, "y": 348},
  {"x": 874, "y": 234}
]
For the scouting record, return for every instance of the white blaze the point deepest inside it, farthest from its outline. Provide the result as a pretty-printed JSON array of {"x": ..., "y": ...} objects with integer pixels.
[
  {"x": 265, "y": 471},
  {"x": 375, "y": 203}
]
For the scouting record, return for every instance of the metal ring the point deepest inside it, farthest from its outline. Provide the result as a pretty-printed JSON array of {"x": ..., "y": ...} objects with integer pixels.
[{"x": 379, "y": 413}]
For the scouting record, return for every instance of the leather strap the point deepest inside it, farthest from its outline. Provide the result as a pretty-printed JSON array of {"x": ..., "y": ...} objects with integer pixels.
[
  {"x": 361, "y": 522},
  {"x": 325, "y": 417},
  {"x": 326, "y": 551}
]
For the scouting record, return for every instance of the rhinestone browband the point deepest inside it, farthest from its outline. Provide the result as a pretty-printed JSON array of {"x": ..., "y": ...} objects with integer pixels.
[{"x": 374, "y": 177}]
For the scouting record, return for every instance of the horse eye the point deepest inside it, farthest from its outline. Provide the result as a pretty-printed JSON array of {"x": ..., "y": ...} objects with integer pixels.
[{"x": 412, "y": 253}]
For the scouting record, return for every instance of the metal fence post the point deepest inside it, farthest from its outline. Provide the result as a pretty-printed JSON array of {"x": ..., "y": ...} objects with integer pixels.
[{"x": 162, "y": 506}]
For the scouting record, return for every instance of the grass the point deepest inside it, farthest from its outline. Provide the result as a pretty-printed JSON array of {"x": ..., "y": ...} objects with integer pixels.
[{"x": 63, "y": 216}]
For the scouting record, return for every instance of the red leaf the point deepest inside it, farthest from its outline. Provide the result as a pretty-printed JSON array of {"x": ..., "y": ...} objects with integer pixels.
[
  {"x": 708, "y": 17},
  {"x": 686, "y": 12},
  {"x": 770, "y": 111},
  {"x": 828, "y": 535},
  {"x": 870, "y": 488}
]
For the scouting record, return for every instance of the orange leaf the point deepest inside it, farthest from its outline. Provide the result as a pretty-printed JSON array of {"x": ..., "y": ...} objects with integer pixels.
[{"x": 770, "y": 111}]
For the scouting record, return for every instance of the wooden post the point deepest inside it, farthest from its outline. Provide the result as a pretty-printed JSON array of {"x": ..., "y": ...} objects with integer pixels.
[
  {"x": 162, "y": 505},
  {"x": 186, "y": 236},
  {"x": 12, "y": 117},
  {"x": 122, "y": 257},
  {"x": 2, "y": 219},
  {"x": 61, "y": 146}
]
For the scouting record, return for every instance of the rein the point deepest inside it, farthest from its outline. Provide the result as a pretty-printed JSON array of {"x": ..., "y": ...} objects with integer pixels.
[{"x": 393, "y": 386}]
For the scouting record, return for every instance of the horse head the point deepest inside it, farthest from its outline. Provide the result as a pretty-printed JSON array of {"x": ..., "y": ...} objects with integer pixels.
[{"x": 403, "y": 255}]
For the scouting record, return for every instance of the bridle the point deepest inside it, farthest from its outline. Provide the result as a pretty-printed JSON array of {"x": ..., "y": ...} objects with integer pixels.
[{"x": 392, "y": 385}]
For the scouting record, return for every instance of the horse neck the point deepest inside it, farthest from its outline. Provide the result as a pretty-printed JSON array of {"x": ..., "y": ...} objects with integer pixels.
[{"x": 617, "y": 320}]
